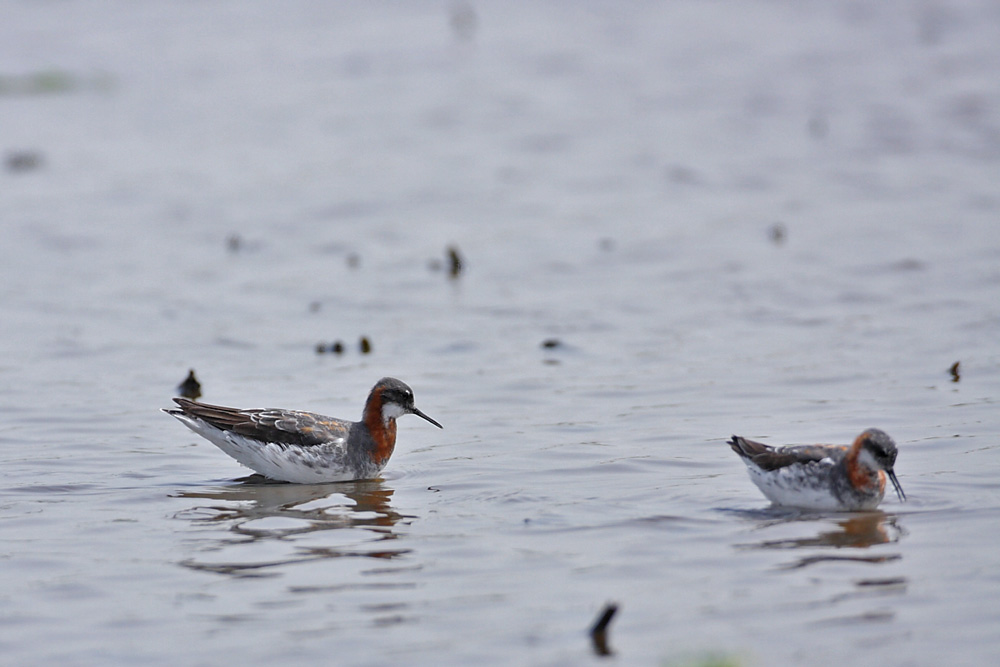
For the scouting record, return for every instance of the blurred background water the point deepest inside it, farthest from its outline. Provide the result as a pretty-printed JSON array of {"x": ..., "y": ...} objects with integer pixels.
[{"x": 676, "y": 221}]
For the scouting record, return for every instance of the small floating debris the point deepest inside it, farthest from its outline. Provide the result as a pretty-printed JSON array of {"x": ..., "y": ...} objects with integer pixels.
[
  {"x": 190, "y": 388},
  {"x": 353, "y": 260},
  {"x": 365, "y": 345},
  {"x": 336, "y": 347},
  {"x": 552, "y": 345},
  {"x": 606, "y": 244},
  {"x": 954, "y": 370},
  {"x": 21, "y": 161},
  {"x": 777, "y": 233},
  {"x": 454, "y": 262},
  {"x": 315, "y": 306},
  {"x": 599, "y": 631}
]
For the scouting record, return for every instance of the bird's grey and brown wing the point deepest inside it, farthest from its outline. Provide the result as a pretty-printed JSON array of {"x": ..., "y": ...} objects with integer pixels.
[
  {"x": 774, "y": 458},
  {"x": 286, "y": 427}
]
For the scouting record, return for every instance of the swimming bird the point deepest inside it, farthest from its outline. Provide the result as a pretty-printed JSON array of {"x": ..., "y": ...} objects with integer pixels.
[
  {"x": 304, "y": 447},
  {"x": 823, "y": 477}
]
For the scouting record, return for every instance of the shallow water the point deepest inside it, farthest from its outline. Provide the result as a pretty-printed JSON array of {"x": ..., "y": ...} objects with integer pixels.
[{"x": 771, "y": 219}]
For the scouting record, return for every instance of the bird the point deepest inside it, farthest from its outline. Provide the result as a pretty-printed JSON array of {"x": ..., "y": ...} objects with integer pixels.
[
  {"x": 823, "y": 477},
  {"x": 304, "y": 447}
]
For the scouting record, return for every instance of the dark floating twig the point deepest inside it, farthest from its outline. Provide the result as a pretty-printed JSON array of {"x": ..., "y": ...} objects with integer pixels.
[
  {"x": 320, "y": 348},
  {"x": 190, "y": 388},
  {"x": 365, "y": 345},
  {"x": 599, "y": 631},
  {"x": 337, "y": 347},
  {"x": 604, "y": 619},
  {"x": 454, "y": 262},
  {"x": 954, "y": 370},
  {"x": 551, "y": 343}
]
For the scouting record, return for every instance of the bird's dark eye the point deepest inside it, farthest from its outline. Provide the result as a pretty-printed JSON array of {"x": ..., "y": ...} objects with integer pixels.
[
  {"x": 876, "y": 448},
  {"x": 400, "y": 396}
]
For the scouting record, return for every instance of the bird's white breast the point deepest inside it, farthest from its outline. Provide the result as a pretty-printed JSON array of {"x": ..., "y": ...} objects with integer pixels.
[{"x": 798, "y": 485}]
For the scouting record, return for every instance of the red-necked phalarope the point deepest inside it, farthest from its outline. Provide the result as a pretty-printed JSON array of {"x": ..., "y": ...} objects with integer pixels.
[
  {"x": 823, "y": 477},
  {"x": 304, "y": 447}
]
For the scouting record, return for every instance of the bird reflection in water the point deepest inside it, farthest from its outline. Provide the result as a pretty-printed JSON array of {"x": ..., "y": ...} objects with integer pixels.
[
  {"x": 859, "y": 530},
  {"x": 259, "y": 510}
]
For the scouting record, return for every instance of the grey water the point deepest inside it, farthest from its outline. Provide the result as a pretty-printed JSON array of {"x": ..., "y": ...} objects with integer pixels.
[{"x": 678, "y": 221}]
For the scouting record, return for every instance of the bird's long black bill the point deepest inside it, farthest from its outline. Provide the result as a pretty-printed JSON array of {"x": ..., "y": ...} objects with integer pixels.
[
  {"x": 895, "y": 484},
  {"x": 421, "y": 414}
]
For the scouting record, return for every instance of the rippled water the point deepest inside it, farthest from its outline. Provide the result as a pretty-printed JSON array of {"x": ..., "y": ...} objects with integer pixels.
[{"x": 771, "y": 219}]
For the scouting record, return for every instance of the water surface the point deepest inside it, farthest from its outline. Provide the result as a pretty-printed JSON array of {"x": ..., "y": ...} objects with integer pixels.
[{"x": 771, "y": 219}]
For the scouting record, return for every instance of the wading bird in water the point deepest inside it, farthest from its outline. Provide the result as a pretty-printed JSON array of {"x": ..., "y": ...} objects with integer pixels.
[
  {"x": 823, "y": 477},
  {"x": 304, "y": 447}
]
